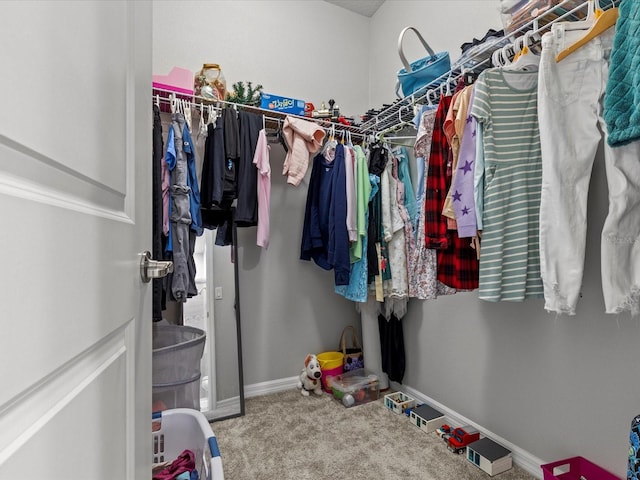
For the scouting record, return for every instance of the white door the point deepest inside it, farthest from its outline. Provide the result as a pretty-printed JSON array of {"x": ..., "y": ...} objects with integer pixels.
[{"x": 75, "y": 177}]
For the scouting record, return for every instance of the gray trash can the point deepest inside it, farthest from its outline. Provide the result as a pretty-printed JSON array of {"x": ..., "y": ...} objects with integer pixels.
[{"x": 177, "y": 351}]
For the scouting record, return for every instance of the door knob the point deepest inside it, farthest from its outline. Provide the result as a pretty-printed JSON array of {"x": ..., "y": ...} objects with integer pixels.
[{"x": 153, "y": 268}]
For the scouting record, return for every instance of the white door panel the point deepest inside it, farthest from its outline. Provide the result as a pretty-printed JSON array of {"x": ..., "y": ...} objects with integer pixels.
[
  {"x": 75, "y": 170},
  {"x": 67, "y": 64}
]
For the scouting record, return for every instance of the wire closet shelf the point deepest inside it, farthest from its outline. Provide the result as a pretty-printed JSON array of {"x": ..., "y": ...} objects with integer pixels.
[
  {"x": 164, "y": 98},
  {"x": 393, "y": 117}
]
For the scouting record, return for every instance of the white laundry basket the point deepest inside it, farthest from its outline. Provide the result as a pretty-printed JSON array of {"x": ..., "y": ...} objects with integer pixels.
[{"x": 187, "y": 429}]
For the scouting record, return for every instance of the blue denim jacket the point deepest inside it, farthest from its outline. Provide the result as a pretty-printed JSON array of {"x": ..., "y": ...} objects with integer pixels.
[{"x": 192, "y": 181}]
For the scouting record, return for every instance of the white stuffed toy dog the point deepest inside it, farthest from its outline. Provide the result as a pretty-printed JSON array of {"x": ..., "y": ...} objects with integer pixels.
[{"x": 309, "y": 380}]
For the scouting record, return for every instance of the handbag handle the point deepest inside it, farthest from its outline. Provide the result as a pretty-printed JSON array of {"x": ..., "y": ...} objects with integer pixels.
[
  {"x": 354, "y": 339},
  {"x": 407, "y": 65}
]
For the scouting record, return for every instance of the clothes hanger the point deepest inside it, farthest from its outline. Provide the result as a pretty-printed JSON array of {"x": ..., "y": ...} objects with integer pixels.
[
  {"x": 496, "y": 59},
  {"x": 429, "y": 102},
  {"x": 172, "y": 103},
  {"x": 186, "y": 106},
  {"x": 599, "y": 23},
  {"x": 517, "y": 47},
  {"x": 202, "y": 125},
  {"x": 449, "y": 84},
  {"x": 328, "y": 149},
  {"x": 213, "y": 115},
  {"x": 504, "y": 55},
  {"x": 582, "y": 24},
  {"x": 525, "y": 60},
  {"x": 157, "y": 100}
]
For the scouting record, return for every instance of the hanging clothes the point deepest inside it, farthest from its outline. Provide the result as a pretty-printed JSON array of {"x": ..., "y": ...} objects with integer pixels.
[
  {"x": 377, "y": 162},
  {"x": 422, "y": 149},
  {"x": 404, "y": 176},
  {"x": 324, "y": 235},
  {"x": 454, "y": 145},
  {"x": 350, "y": 172},
  {"x": 463, "y": 200},
  {"x": 250, "y": 125},
  {"x": 219, "y": 178},
  {"x": 159, "y": 298},
  {"x": 435, "y": 185},
  {"x": 456, "y": 260},
  {"x": 459, "y": 120},
  {"x": 392, "y": 347},
  {"x": 572, "y": 127},
  {"x": 231, "y": 133},
  {"x": 393, "y": 230},
  {"x": 357, "y": 290},
  {"x": 218, "y": 184},
  {"x": 422, "y": 263},
  {"x": 505, "y": 104},
  {"x": 184, "y": 210},
  {"x": 261, "y": 161},
  {"x": 621, "y": 110},
  {"x": 362, "y": 197},
  {"x": 303, "y": 138}
]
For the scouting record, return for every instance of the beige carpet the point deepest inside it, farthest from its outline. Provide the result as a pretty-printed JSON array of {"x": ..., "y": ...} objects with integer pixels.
[{"x": 286, "y": 436}]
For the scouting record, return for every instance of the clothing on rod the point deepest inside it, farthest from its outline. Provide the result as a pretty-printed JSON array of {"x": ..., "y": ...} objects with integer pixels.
[{"x": 571, "y": 127}]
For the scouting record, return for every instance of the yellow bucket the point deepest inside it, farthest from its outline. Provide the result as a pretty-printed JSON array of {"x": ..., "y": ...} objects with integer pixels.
[{"x": 330, "y": 360}]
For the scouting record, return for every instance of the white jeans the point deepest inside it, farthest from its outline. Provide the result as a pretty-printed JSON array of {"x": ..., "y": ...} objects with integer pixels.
[{"x": 570, "y": 101}]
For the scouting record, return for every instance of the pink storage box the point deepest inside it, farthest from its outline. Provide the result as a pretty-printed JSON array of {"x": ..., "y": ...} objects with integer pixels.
[
  {"x": 574, "y": 468},
  {"x": 179, "y": 80}
]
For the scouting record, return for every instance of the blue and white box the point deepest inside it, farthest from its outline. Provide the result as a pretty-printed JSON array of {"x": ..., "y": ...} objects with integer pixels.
[{"x": 282, "y": 104}]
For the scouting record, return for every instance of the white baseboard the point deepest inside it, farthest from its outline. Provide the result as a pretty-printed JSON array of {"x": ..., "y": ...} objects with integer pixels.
[
  {"x": 272, "y": 386},
  {"x": 225, "y": 408},
  {"x": 522, "y": 458},
  {"x": 231, "y": 406}
]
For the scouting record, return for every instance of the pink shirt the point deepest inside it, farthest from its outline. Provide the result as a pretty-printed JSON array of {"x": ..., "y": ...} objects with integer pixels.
[
  {"x": 303, "y": 138},
  {"x": 261, "y": 161}
]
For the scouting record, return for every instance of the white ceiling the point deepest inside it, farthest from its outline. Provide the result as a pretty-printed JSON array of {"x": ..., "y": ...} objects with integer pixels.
[{"x": 363, "y": 7}]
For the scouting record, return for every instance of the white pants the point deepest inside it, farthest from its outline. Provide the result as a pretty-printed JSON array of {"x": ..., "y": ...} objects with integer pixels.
[{"x": 570, "y": 101}]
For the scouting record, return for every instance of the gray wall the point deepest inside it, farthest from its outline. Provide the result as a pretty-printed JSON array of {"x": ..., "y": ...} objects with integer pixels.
[
  {"x": 553, "y": 386},
  {"x": 288, "y": 306}
]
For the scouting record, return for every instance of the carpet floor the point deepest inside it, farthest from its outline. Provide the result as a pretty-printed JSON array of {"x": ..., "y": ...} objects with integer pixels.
[{"x": 287, "y": 436}]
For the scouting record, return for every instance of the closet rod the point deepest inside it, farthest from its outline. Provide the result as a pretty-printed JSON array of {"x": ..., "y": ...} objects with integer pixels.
[{"x": 197, "y": 102}]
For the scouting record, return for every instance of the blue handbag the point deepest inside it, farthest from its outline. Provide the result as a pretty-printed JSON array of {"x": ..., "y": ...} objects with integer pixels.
[{"x": 415, "y": 77}]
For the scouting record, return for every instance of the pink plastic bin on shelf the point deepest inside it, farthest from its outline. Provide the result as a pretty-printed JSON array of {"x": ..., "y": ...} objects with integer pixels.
[
  {"x": 179, "y": 80},
  {"x": 574, "y": 468}
]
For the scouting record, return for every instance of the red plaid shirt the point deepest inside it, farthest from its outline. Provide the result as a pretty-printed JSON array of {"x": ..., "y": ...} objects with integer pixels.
[{"x": 457, "y": 262}]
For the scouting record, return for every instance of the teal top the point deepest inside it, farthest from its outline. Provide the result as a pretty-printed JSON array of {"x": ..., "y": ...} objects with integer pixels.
[{"x": 622, "y": 99}]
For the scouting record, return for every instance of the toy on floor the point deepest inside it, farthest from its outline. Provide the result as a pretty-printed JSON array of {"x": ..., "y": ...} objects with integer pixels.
[{"x": 309, "y": 380}]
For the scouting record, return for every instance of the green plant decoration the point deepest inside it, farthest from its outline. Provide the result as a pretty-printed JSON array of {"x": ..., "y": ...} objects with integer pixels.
[{"x": 245, "y": 95}]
